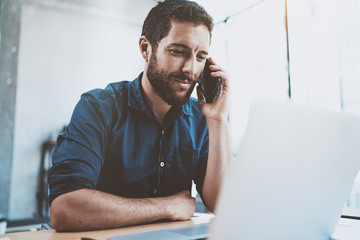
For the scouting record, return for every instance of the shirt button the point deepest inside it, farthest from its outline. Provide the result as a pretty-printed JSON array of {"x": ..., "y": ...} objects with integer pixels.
[
  {"x": 162, "y": 132},
  {"x": 162, "y": 164}
]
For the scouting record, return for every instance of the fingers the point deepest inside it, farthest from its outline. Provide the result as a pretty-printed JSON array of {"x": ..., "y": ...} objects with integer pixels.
[
  {"x": 211, "y": 60},
  {"x": 200, "y": 95},
  {"x": 181, "y": 206},
  {"x": 214, "y": 66},
  {"x": 218, "y": 71}
]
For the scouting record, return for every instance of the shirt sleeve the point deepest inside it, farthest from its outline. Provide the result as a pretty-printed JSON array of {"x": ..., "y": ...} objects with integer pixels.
[{"x": 79, "y": 153}]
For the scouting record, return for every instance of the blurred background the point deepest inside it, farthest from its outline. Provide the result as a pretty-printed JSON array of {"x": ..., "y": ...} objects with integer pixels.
[{"x": 54, "y": 50}]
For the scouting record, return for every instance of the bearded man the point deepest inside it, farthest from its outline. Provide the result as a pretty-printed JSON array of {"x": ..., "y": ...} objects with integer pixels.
[{"x": 132, "y": 150}]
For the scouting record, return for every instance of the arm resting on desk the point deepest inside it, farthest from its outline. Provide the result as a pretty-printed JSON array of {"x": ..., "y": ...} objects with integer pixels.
[
  {"x": 220, "y": 156},
  {"x": 88, "y": 209}
]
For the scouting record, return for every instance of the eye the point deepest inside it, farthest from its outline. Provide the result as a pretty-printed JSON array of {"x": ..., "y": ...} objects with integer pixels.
[
  {"x": 177, "y": 52},
  {"x": 201, "y": 58}
]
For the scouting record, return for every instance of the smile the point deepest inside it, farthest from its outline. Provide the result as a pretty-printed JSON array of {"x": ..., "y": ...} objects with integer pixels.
[{"x": 183, "y": 83}]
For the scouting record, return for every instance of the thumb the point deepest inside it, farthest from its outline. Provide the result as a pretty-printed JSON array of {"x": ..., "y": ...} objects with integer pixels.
[{"x": 200, "y": 95}]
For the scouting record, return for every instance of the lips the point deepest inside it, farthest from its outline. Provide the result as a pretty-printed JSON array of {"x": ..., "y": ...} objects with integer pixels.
[{"x": 183, "y": 83}]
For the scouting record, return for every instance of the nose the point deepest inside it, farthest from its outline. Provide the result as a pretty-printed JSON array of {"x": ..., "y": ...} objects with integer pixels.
[{"x": 190, "y": 66}]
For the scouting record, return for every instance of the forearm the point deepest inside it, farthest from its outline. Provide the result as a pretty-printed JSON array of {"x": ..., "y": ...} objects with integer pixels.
[
  {"x": 91, "y": 209},
  {"x": 219, "y": 158}
]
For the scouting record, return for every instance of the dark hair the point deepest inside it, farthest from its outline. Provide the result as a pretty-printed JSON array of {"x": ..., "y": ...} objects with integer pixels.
[{"x": 158, "y": 22}]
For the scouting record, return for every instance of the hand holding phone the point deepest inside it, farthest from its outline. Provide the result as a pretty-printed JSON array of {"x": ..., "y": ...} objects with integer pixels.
[{"x": 209, "y": 85}]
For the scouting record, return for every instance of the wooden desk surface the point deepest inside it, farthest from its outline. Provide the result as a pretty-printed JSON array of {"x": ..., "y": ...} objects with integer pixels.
[{"x": 104, "y": 234}]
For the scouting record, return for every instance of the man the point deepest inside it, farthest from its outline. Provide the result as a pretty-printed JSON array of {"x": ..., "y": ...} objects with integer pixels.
[{"x": 131, "y": 151}]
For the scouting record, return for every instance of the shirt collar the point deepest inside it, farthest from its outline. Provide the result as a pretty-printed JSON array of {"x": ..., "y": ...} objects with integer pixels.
[
  {"x": 137, "y": 102},
  {"x": 186, "y": 109}
]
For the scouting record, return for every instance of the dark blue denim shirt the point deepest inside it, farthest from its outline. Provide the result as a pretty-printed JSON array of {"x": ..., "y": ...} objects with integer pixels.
[{"x": 115, "y": 144}]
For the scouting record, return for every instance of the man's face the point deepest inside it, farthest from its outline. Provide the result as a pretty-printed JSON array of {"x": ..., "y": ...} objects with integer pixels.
[{"x": 176, "y": 65}]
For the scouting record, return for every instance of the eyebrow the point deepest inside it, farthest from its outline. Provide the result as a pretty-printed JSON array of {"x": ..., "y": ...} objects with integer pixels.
[{"x": 184, "y": 46}]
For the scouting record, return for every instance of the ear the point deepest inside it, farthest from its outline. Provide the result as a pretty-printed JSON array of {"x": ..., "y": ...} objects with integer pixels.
[{"x": 145, "y": 48}]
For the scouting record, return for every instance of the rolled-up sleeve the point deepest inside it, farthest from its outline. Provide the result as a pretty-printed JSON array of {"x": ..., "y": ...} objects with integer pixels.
[{"x": 79, "y": 153}]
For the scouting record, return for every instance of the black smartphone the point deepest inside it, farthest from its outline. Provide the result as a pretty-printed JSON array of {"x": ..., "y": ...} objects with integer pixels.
[{"x": 209, "y": 85}]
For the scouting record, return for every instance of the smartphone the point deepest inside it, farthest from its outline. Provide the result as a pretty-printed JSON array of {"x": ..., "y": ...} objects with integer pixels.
[{"x": 209, "y": 85}]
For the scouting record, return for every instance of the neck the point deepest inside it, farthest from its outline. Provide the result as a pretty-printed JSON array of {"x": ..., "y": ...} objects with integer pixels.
[{"x": 158, "y": 106}]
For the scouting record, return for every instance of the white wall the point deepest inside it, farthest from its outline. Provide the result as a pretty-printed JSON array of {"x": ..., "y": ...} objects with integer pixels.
[{"x": 65, "y": 50}]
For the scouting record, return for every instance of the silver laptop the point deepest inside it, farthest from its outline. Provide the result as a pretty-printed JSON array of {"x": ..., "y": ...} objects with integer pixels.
[
  {"x": 290, "y": 180},
  {"x": 292, "y": 175}
]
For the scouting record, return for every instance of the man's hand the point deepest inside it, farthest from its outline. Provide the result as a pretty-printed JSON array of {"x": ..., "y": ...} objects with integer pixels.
[
  {"x": 180, "y": 206},
  {"x": 219, "y": 109}
]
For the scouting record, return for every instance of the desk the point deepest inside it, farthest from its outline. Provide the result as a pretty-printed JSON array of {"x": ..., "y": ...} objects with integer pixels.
[
  {"x": 347, "y": 229},
  {"x": 104, "y": 234}
]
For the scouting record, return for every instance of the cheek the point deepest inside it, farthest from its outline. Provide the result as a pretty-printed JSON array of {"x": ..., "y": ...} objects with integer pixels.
[
  {"x": 174, "y": 65},
  {"x": 199, "y": 71}
]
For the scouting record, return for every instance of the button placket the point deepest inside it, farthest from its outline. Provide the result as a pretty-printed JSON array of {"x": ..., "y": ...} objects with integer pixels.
[
  {"x": 161, "y": 163},
  {"x": 163, "y": 153}
]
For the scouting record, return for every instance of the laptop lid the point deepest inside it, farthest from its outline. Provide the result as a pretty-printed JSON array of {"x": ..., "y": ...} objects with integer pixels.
[{"x": 292, "y": 175}]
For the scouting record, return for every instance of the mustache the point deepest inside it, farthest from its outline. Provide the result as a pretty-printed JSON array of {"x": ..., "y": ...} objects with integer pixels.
[{"x": 183, "y": 77}]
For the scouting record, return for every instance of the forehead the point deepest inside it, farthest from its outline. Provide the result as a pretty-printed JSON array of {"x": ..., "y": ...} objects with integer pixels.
[{"x": 188, "y": 34}]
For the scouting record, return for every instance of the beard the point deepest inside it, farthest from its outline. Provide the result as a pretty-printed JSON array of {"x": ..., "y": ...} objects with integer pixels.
[{"x": 160, "y": 82}]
